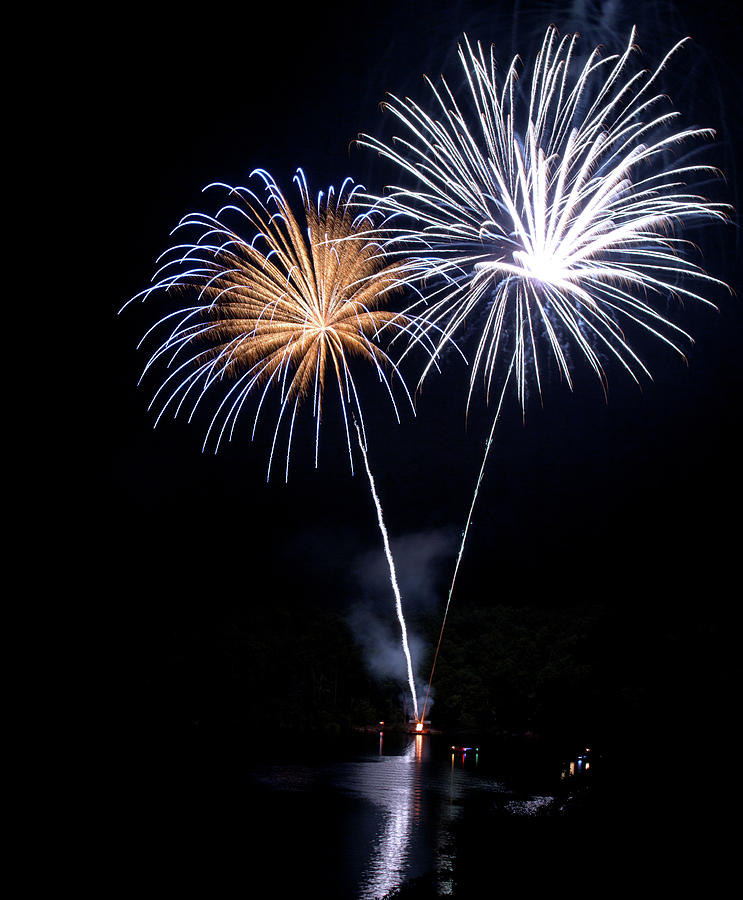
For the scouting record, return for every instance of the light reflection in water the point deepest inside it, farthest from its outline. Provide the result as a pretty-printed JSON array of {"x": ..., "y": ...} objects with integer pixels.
[
  {"x": 579, "y": 766},
  {"x": 394, "y": 784},
  {"x": 413, "y": 793}
]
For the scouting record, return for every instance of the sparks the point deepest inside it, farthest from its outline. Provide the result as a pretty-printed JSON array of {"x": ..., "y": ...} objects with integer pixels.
[
  {"x": 282, "y": 309},
  {"x": 555, "y": 210},
  {"x": 393, "y": 577}
]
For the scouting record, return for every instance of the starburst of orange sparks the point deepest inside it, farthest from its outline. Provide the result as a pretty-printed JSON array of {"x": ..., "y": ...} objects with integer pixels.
[{"x": 285, "y": 309}]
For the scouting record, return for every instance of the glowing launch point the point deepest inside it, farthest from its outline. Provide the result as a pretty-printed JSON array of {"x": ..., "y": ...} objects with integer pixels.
[{"x": 419, "y": 726}]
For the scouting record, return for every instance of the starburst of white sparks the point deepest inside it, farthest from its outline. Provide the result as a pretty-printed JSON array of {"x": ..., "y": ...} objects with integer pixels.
[{"x": 554, "y": 213}]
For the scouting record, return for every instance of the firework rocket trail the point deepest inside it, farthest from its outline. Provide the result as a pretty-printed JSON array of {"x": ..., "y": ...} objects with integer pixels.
[
  {"x": 393, "y": 576},
  {"x": 462, "y": 543}
]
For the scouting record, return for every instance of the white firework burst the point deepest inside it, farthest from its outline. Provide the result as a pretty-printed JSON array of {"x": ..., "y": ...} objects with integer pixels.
[{"x": 554, "y": 213}]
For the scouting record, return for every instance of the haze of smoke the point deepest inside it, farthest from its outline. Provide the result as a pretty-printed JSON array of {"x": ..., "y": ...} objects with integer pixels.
[{"x": 419, "y": 558}]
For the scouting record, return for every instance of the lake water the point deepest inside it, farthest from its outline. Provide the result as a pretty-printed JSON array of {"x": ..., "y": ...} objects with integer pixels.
[
  {"x": 366, "y": 816},
  {"x": 388, "y": 811}
]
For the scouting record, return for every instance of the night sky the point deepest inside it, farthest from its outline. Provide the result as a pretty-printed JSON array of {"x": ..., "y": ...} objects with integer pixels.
[{"x": 633, "y": 504}]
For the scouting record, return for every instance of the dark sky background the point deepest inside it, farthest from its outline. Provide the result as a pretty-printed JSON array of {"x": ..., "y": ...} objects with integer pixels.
[{"x": 634, "y": 502}]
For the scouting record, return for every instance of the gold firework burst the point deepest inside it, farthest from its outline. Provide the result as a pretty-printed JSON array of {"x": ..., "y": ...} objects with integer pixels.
[{"x": 286, "y": 309}]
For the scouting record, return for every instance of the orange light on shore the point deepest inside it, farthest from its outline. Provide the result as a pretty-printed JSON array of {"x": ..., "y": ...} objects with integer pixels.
[{"x": 419, "y": 726}]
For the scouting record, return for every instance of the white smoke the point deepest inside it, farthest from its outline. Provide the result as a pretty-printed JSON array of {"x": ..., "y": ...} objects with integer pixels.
[{"x": 420, "y": 559}]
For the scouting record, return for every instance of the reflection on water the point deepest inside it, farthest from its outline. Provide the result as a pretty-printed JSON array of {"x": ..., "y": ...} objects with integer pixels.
[
  {"x": 579, "y": 766},
  {"x": 417, "y": 804},
  {"x": 419, "y": 800},
  {"x": 395, "y": 785},
  {"x": 391, "y": 813}
]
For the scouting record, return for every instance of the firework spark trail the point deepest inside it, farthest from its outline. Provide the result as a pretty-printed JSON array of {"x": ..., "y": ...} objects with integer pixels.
[
  {"x": 285, "y": 310},
  {"x": 488, "y": 445},
  {"x": 552, "y": 212},
  {"x": 393, "y": 576}
]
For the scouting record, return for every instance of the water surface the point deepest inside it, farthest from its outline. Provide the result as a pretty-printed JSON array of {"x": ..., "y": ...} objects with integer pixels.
[{"x": 392, "y": 810}]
